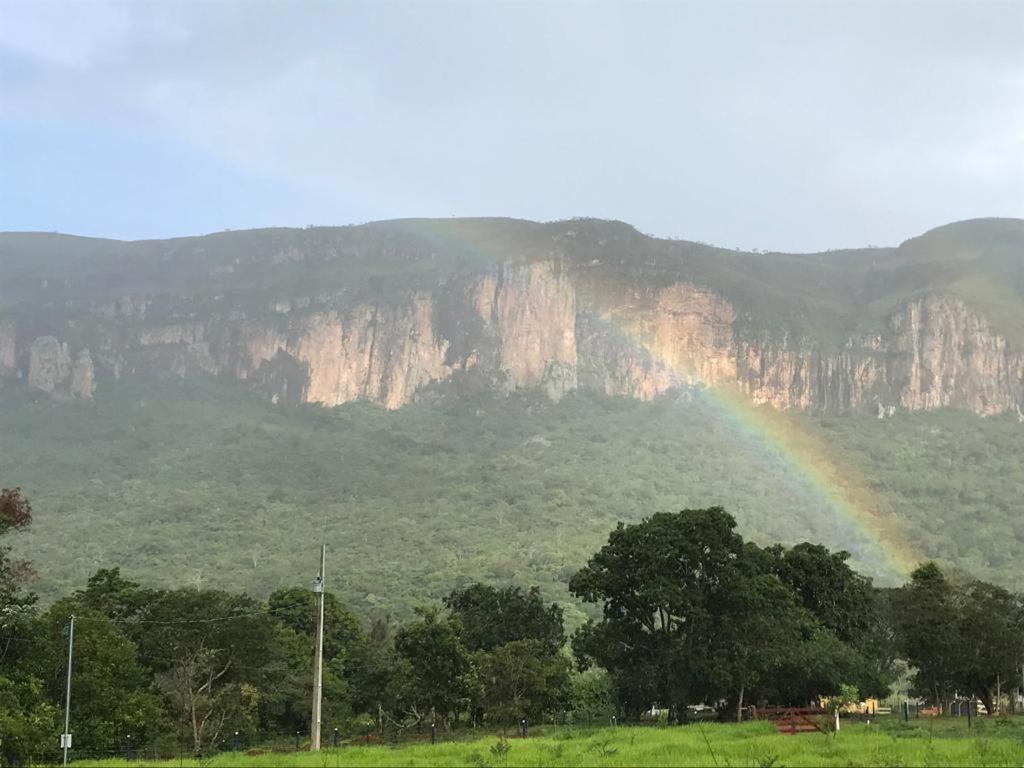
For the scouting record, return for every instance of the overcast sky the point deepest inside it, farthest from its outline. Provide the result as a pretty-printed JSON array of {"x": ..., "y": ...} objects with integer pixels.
[{"x": 773, "y": 125}]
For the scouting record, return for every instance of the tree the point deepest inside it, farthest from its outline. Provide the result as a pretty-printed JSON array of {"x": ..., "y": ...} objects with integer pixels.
[
  {"x": 991, "y": 639},
  {"x": 15, "y": 511},
  {"x": 16, "y": 606},
  {"x": 373, "y": 670},
  {"x": 211, "y": 653},
  {"x": 285, "y": 705},
  {"x": 840, "y": 638},
  {"x": 592, "y": 697},
  {"x": 663, "y": 584},
  {"x": 926, "y": 625},
  {"x": 755, "y": 628},
  {"x": 26, "y": 717},
  {"x": 112, "y": 693},
  {"x": 436, "y": 673},
  {"x": 119, "y": 599},
  {"x": 499, "y": 626},
  {"x": 839, "y": 598},
  {"x": 819, "y": 665},
  {"x": 489, "y": 617},
  {"x": 521, "y": 679},
  {"x": 295, "y": 608}
]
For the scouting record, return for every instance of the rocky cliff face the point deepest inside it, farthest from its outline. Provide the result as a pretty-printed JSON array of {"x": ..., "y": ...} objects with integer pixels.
[
  {"x": 526, "y": 323},
  {"x": 51, "y": 370}
]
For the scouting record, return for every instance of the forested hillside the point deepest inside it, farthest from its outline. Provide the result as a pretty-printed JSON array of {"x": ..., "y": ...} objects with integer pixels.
[
  {"x": 203, "y": 483},
  {"x": 450, "y": 400}
]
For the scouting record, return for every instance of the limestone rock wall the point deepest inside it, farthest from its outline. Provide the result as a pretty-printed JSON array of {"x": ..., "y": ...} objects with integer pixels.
[
  {"x": 8, "y": 348},
  {"x": 50, "y": 370},
  {"x": 532, "y": 325}
]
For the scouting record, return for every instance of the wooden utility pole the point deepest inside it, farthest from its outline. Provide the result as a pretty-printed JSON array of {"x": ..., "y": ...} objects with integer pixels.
[{"x": 318, "y": 660}]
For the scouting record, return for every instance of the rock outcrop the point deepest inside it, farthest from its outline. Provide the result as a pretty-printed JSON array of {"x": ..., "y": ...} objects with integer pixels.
[
  {"x": 50, "y": 370},
  {"x": 8, "y": 348},
  {"x": 49, "y": 365},
  {"x": 82, "y": 383}
]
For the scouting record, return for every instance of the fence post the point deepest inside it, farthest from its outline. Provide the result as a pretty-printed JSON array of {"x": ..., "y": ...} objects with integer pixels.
[
  {"x": 128, "y": 748},
  {"x": 334, "y": 738},
  {"x": 433, "y": 733},
  {"x": 296, "y": 741}
]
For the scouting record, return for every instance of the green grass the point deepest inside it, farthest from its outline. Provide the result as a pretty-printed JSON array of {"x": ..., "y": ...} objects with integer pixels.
[{"x": 922, "y": 743}]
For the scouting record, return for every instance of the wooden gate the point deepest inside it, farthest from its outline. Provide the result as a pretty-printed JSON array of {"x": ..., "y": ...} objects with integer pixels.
[{"x": 794, "y": 720}]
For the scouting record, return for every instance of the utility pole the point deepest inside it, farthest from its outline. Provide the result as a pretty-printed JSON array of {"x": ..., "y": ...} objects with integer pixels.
[
  {"x": 318, "y": 660},
  {"x": 65, "y": 739}
]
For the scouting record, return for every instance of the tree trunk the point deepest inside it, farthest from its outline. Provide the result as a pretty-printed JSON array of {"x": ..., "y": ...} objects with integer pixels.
[{"x": 739, "y": 706}]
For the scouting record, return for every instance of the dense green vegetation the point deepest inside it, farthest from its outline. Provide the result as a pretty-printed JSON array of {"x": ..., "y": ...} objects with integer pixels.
[
  {"x": 690, "y": 613},
  {"x": 193, "y": 484},
  {"x": 691, "y": 617},
  {"x": 953, "y": 480},
  {"x": 198, "y": 483}
]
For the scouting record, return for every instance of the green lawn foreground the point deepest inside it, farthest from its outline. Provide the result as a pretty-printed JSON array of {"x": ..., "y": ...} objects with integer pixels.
[{"x": 920, "y": 743}]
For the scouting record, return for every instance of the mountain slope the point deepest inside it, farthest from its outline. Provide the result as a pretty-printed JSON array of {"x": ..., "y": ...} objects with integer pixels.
[
  {"x": 161, "y": 401},
  {"x": 199, "y": 482}
]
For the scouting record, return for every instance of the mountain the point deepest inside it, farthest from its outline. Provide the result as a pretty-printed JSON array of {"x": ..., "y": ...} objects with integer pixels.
[
  {"x": 384, "y": 311},
  {"x": 484, "y": 399}
]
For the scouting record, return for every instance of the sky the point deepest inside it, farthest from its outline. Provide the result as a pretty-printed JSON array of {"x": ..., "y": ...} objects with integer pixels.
[{"x": 786, "y": 126}]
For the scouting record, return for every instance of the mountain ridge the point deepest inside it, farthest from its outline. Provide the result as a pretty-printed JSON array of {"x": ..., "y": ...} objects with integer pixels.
[{"x": 382, "y": 310}]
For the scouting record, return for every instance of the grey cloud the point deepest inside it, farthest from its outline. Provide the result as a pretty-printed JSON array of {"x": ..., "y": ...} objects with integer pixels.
[{"x": 784, "y": 125}]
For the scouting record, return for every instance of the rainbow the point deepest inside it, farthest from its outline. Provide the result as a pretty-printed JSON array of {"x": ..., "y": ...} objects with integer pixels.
[
  {"x": 803, "y": 455},
  {"x": 806, "y": 457}
]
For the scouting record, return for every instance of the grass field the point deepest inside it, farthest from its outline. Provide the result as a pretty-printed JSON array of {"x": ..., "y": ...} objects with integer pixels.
[{"x": 924, "y": 742}]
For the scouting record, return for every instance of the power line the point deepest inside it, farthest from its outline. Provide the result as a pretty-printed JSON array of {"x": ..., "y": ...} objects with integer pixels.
[{"x": 227, "y": 617}]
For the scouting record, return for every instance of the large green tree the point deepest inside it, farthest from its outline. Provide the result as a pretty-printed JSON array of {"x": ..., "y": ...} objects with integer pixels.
[
  {"x": 678, "y": 594},
  {"x": 112, "y": 695},
  {"x": 843, "y": 638},
  {"x": 754, "y": 628},
  {"x": 960, "y": 637},
  {"x": 27, "y": 717},
  {"x": 926, "y": 620},
  {"x": 286, "y": 705},
  {"x": 516, "y": 640},
  {"x": 991, "y": 630},
  {"x": 490, "y": 617},
  {"x": 16, "y": 605},
  {"x": 521, "y": 679},
  {"x": 436, "y": 674},
  {"x": 212, "y": 655},
  {"x": 841, "y": 599}
]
